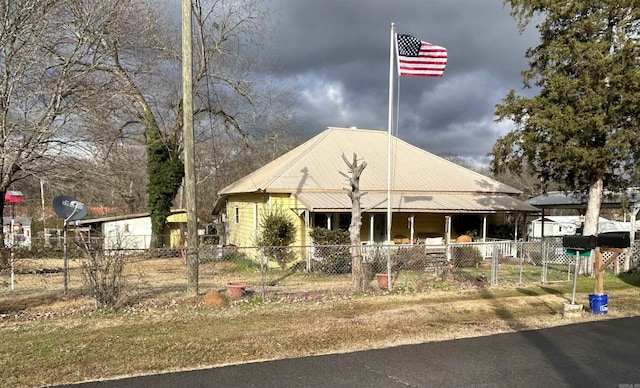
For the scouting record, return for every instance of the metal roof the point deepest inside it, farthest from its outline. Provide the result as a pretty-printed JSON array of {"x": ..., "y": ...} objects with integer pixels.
[
  {"x": 24, "y": 221},
  {"x": 91, "y": 221},
  {"x": 420, "y": 180},
  {"x": 419, "y": 202},
  {"x": 560, "y": 199}
]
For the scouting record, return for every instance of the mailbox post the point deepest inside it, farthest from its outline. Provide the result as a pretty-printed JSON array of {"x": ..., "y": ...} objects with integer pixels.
[
  {"x": 577, "y": 245},
  {"x": 616, "y": 242}
]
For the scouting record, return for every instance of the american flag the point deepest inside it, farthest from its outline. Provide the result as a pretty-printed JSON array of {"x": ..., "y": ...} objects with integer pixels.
[{"x": 421, "y": 59}]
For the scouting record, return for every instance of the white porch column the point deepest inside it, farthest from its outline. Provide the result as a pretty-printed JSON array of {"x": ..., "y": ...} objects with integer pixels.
[
  {"x": 371, "y": 221},
  {"x": 484, "y": 228}
]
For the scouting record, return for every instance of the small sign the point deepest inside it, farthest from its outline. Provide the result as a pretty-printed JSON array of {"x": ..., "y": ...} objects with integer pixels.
[{"x": 572, "y": 252}]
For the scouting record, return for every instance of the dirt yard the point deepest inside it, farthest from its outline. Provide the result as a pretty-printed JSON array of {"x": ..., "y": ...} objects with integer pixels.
[{"x": 54, "y": 338}]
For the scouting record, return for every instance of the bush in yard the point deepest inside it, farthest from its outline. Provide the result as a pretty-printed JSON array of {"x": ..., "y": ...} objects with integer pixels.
[
  {"x": 465, "y": 256},
  {"x": 332, "y": 248},
  {"x": 277, "y": 232},
  {"x": 378, "y": 258},
  {"x": 102, "y": 271}
]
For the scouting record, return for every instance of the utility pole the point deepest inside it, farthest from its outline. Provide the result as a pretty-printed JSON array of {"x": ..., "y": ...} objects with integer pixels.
[{"x": 189, "y": 152}]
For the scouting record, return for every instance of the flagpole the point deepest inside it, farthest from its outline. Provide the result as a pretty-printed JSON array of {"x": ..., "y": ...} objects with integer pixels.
[{"x": 390, "y": 125}]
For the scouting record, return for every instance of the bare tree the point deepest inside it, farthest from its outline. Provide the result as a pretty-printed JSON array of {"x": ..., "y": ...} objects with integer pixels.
[
  {"x": 143, "y": 60},
  {"x": 358, "y": 273},
  {"x": 42, "y": 89}
]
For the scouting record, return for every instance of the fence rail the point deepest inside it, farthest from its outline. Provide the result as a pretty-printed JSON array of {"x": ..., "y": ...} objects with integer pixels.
[{"x": 276, "y": 271}]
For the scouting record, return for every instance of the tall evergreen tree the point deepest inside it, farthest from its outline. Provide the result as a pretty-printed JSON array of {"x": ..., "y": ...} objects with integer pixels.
[{"x": 581, "y": 128}]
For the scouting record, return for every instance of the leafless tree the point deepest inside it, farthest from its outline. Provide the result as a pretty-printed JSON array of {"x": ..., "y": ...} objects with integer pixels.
[
  {"x": 142, "y": 58},
  {"x": 86, "y": 85},
  {"x": 42, "y": 89},
  {"x": 358, "y": 274}
]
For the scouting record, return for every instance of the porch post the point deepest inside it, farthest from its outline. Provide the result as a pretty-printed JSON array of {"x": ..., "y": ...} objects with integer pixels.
[
  {"x": 447, "y": 237},
  {"x": 484, "y": 228},
  {"x": 371, "y": 221}
]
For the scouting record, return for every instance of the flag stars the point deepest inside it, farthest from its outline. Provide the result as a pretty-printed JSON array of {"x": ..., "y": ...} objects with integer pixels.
[{"x": 408, "y": 45}]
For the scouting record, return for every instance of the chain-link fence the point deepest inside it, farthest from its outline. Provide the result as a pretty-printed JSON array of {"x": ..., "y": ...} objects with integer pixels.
[{"x": 289, "y": 272}]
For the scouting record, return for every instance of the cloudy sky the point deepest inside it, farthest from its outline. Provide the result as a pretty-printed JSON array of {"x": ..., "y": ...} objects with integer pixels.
[{"x": 335, "y": 53}]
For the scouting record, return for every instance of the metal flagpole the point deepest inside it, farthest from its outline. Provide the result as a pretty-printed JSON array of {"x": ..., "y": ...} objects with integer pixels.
[{"x": 390, "y": 125}]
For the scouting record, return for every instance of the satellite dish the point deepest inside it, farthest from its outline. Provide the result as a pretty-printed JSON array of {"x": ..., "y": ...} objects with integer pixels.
[{"x": 69, "y": 208}]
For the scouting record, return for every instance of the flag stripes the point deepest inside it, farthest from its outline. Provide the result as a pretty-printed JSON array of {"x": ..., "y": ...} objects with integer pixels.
[{"x": 419, "y": 58}]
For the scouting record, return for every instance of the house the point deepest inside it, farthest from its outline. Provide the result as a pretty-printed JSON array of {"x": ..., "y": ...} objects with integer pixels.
[
  {"x": 133, "y": 231},
  {"x": 555, "y": 226},
  {"x": 21, "y": 236},
  {"x": 430, "y": 196},
  {"x": 626, "y": 201}
]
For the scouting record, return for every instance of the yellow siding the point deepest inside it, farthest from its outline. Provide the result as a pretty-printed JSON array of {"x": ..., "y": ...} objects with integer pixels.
[
  {"x": 175, "y": 240},
  {"x": 245, "y": 231},
  {"x": 430, "y": 224}
]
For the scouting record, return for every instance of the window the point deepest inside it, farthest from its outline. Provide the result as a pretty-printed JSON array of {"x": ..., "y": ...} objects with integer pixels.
[{"x": 236, "y": 215}]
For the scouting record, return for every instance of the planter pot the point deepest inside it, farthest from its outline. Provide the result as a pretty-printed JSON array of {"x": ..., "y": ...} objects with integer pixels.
[
  {"x": 236, "y": 289},
  {"x": 383, "y": 280}
]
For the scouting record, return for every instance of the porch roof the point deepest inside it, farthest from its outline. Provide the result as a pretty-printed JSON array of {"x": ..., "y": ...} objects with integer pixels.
[{"x": 416, "y": 202}]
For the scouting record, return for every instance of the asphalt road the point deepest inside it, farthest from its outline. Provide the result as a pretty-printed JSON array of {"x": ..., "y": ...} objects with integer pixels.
[{"x": 597, "y": 354}]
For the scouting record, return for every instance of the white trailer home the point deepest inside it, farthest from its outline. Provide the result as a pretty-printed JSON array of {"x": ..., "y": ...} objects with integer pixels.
[{"x": 555, "y": 226}]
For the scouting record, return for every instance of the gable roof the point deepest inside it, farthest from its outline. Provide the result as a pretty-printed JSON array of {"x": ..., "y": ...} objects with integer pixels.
[{"x": 312, "y": 172}]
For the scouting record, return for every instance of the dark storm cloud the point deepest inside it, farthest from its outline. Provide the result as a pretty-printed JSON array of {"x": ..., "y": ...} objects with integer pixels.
[{"x": 336, "y": 53}]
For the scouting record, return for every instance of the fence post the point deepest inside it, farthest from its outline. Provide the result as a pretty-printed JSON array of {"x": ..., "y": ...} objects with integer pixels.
[
  {"x": 520, "y": 251},
  {"x": 543, "y": 251},
  {"x": 262, "y": 272},
  {"x": 494, "y": 263}
]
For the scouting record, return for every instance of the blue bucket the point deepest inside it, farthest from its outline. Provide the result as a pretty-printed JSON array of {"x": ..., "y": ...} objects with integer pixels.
[{"x": 599, "y": 304}]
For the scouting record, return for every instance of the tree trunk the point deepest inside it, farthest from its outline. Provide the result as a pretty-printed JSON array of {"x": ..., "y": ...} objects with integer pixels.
[
  {"x": 2, "y": 192},
  {"x": 593, "y": 209},
  {"x": 358, "y": 273},
  {"x": 591, "y": 219}
]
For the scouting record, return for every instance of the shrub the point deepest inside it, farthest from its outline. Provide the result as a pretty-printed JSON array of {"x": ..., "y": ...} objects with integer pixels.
[
  {"x": 332, "y": 250},
  {"x": 102, "y": 272},
  {"x": 277, "y": 232},
  {"x": 378, "y": 260},
  {"x": 465, "y": 256}
]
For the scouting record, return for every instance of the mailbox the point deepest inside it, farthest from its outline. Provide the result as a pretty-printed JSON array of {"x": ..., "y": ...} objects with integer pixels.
[
  {"x": 614, "y": 240},
  {"x": 579, "y": 243}
]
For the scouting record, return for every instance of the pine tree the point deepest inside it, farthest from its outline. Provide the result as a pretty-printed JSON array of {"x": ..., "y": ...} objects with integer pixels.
[{"x": 581, "y": 129}]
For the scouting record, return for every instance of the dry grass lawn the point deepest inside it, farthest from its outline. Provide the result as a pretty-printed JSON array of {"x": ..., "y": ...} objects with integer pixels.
[{"x": 50, "y": 338}]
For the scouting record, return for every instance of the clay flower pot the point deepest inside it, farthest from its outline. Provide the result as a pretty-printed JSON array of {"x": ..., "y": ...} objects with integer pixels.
[
  {"x": 383, "y": 280},
  {"x": 236, "y": 289}
]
